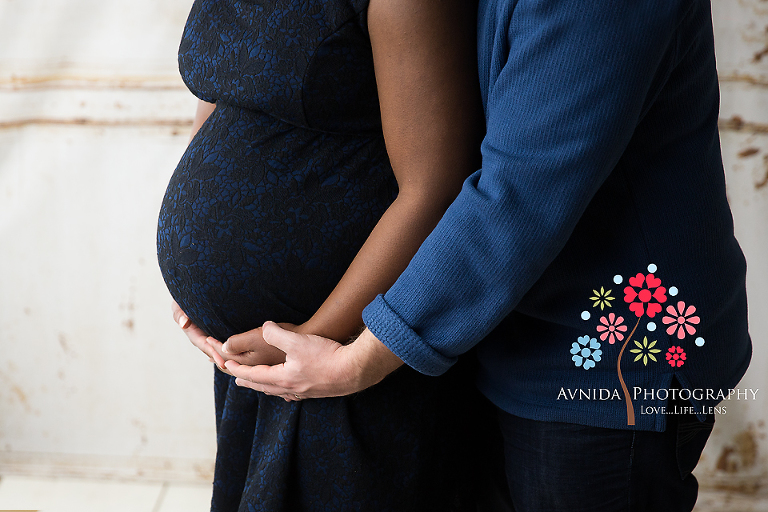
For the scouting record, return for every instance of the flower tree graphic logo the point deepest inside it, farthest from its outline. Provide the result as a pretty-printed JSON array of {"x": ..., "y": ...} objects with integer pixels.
[{"x": 645, "y": 297}]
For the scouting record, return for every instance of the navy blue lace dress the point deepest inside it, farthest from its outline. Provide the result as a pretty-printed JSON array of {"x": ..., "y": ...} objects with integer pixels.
[{"x": 267, "y": 208}]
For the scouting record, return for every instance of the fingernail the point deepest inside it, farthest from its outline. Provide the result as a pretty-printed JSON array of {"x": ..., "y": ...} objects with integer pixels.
[
  {"x": 183, "y": 321},
  {"x": 225, "y": 347}
]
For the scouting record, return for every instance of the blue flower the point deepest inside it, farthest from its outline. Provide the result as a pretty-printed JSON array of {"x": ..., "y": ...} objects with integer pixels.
[{"x": 586, "y": 352}]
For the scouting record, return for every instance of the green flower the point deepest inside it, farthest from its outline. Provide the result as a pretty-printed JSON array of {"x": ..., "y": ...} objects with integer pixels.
[
  {"x": 645, "y": 351},
  {"x": 602, "y": 298}
]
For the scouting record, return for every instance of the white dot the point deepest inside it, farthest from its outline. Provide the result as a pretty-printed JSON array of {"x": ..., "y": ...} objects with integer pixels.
[
  {"x": 585, "y": 315},
  {"x": 699, "y": 341},
  {"x": 617, "y": 279},
  {"x": 651, "y": 326},
  {"x": 673, "y": 290},
  {"x": 652, "y": 268}
]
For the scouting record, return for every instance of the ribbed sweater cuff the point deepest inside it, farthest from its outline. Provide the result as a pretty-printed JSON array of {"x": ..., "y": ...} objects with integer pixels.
[{"x": 392, "y": 330}]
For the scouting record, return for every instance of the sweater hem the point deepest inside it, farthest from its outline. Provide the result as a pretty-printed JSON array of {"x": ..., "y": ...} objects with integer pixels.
[{"x": 391, "y": 329}]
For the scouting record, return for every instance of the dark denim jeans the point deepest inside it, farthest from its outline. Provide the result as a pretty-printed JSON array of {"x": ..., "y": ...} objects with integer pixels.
[{"x": 562, "y": 467}]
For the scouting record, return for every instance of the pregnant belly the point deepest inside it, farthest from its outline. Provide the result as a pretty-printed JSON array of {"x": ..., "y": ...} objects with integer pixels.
[{"x": 261, "y": 219}]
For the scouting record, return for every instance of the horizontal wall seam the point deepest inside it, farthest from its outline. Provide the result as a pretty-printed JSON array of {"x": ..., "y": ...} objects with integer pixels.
[
  {"x": 118, "y": 123},
  {"x": 147, "y": 83},
  {"x": 735, "y": 123}
]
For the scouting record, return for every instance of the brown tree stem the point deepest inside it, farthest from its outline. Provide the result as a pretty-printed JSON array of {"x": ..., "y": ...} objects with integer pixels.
[{"x": 627, "y": 396}]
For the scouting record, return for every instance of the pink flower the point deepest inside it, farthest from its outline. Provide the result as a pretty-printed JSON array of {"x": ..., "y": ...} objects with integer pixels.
[
  {"x": 612, "y": 328},
  {"x": 679, "y": 321},
  {"x": 676, "y": 357},
  {"x": 644, "y": 288}
]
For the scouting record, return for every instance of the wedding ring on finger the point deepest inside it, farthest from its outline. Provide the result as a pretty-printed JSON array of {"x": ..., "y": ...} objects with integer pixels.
[{"x": 297, "y": 397}]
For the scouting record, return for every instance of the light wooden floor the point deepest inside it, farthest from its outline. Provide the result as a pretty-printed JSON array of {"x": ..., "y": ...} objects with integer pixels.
[{"x": 77, "y": 495}]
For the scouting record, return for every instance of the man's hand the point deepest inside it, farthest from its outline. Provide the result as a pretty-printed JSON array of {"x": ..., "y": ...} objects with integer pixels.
[{"x": 317, "y": 367}]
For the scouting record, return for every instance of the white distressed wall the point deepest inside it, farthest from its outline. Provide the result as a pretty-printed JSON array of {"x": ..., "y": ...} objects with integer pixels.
[{"x": 95, "y": 379}]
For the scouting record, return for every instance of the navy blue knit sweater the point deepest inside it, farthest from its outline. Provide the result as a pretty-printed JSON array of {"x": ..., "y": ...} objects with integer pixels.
[{"x": 593, "y": 254}]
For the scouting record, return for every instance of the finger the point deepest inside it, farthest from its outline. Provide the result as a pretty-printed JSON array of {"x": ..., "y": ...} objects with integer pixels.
[
  {"x": 218, "y": 347},
  {"x": 267, "y": 390},
  {"x": 219, "y": 361},
  {"x": 245, "y": 383},
  {"x": 215, "y": 356},
  {"x": 280, "y": 338},
  {"x": 199, "y": 339},
  {"x": 265, "y": 377},
  {"x": 244, "y": 342},
  {"x": 208, "y": 351},
  {"x": 215, "y": 346},
  {"x": 179, "y": 316}
]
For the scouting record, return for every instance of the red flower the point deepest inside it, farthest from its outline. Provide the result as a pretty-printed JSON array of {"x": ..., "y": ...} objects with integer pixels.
[
  {"x": 644, "y": 288},
  {"x": 676, "y": 357},
  {"x": 679, "y": 321},
  {"x": 612, "y": 328}
]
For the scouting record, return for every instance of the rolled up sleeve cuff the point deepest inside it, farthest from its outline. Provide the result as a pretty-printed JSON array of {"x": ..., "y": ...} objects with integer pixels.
[{"x": 403, "y": 341}]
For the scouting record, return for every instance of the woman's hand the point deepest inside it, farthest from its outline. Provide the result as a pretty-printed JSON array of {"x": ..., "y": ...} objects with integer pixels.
[
  {"x": 198, "y": 338},
  {"x": 196, "y": 335},
  {"x": 248, "y": 348}
]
